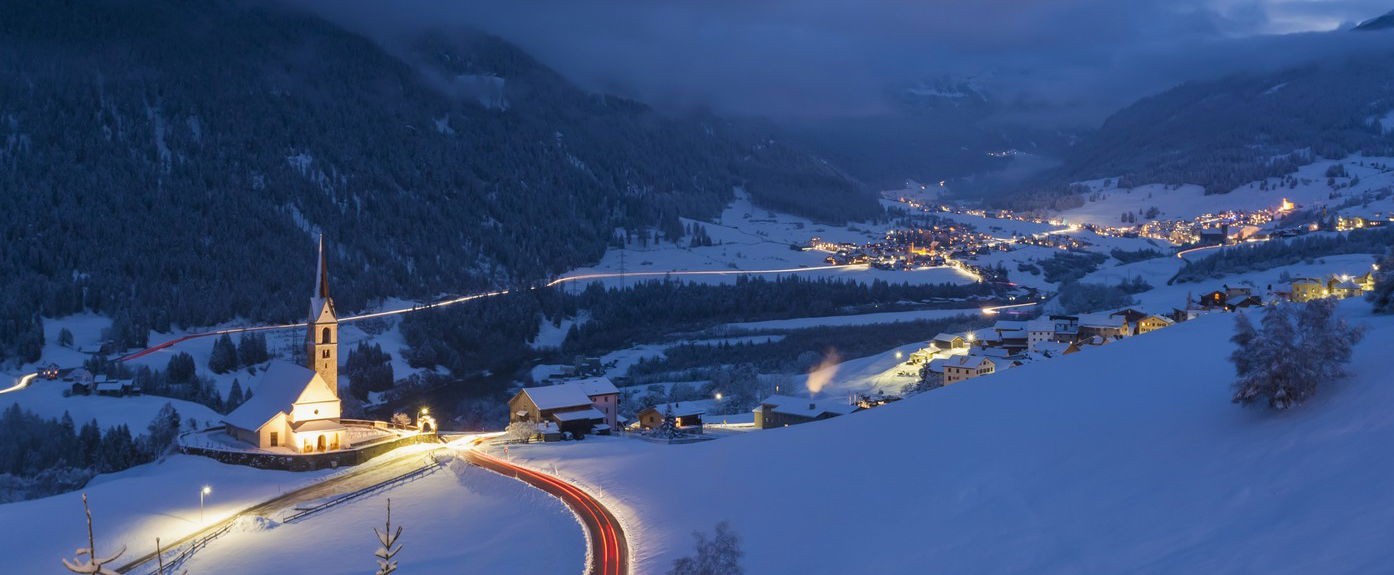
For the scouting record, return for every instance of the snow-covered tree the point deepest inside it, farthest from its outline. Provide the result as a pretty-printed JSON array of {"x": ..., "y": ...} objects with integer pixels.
[
  {"x": 520, "y": 431},
  {"x": 928, "y": 380},
  {"x": 235, "y": 396},
  {"x": 163, "y": 430},
  {"x": 401, "y": 419},
  {"x": 668, "y": 429},
  {"x": 720, "y": 555},
  {"x": 1297, "y": 350},
  {"x": 65, "y": 337},
  {"x": 1383, "y": 295},
  {"x": 224, "y": 356},
  {"x": 1328, "y": 341},
  {"x": 86, "y": 560},
  {"x": 389, "y": 549}
]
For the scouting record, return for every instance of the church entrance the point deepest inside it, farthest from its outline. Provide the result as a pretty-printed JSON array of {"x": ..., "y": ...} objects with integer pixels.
[{"x": 319, "y": 444}]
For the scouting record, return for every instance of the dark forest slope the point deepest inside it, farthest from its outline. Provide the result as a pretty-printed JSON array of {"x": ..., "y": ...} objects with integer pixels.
[{"x": 170, "y": 162}]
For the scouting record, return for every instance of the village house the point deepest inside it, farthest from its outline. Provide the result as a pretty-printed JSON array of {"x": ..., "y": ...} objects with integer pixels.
[
  {"x": 1039, "y": 331},
  {"x": 687, "y": 418},
  {"x": 783, "y": 411},
  {"x": 1307, "y": 289},
  {"x": 1141, "y": 322},
  {"x": 1012, "y": 336},
  {"x": 967, "y": 367},
  {"x": 948, "y": 341},
  {"x": 579, "y": 407},
  {"x": 1066, "y": 327},
  {"x": 296, "y": 409},
  {"x": 1103, "y": 325}
]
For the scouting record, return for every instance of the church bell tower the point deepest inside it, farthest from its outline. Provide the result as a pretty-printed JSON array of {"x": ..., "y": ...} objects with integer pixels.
[{"x": 322, "y": 338}]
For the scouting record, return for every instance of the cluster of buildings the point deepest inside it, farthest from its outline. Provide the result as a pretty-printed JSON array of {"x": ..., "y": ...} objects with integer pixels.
[
  {"x": 1011, "y": 343},
  {"x": 1298, "y": 290}
]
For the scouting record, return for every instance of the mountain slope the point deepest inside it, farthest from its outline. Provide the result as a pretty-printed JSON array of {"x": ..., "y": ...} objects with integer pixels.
[
  {"x": 1092, "y": 463},
  {"x": 170, "y": 162}
]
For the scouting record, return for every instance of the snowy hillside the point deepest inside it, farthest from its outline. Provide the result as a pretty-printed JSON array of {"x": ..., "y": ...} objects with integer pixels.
[
  {"x": 1094, "y": 463},
  {"x": 749, "y": 238},
  {"x": 1307, "y": 187}
]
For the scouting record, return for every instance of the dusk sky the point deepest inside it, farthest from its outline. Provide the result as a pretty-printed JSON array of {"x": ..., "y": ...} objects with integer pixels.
[{"x": 1080, "y": 58}]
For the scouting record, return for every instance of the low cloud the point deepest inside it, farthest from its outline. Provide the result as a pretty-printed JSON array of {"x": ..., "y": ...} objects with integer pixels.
[{"x": 1071, "y": 61}]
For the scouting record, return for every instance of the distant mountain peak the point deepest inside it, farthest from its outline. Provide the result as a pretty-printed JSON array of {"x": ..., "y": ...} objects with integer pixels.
[{"x": 1382, "y": 22}]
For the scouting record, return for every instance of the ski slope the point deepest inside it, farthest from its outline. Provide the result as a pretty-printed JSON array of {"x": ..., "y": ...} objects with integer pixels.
[{"x": 1126, "y": 459}]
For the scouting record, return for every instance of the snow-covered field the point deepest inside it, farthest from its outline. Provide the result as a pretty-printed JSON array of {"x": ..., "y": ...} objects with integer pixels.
[
  {"x": 1162, "y": 297},
  {"x": 1099, "y": 462},
  {"x": 46, "y": 399},
  {"x": 132, "y": 508},
  {"x": 461, "y": 519}
]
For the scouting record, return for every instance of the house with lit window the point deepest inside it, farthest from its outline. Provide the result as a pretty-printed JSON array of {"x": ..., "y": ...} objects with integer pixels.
[
  {"x": 580, "y": 407},
  {"x": 967, "y": 367}
]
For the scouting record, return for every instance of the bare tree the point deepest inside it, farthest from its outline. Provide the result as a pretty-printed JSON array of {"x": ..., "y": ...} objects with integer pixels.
[{"x": 87, "y": 560}]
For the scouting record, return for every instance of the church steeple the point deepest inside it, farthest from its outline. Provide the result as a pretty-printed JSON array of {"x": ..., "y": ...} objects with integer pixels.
[{"x": 322, "y": 337}]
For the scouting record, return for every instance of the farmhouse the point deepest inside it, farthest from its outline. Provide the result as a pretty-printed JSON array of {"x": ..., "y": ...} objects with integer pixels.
[
  {"x": 580, "y": 407},
  {"x": 783, "y": 411}
]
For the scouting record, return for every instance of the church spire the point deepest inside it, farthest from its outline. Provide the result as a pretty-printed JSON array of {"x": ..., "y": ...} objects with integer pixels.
[{"x": 322, "y": 281}]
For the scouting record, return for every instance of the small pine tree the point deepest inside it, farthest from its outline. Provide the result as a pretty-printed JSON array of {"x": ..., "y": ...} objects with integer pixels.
[
  {"x": 87, "y": 560},
  {"x": 389, "y": 549},
  {"x": 234, "y": 396},
  {"x": 65, "y": 337},
  {"x": 224, "y": 356}
]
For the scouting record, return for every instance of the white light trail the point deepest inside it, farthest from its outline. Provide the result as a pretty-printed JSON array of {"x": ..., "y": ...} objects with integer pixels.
[
  {"x": 20, "y": 383},
  {"x": 994, "y": 310}
]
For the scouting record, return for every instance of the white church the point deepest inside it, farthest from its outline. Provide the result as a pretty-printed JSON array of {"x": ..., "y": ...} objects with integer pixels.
[{"x": 296, "y": 408}]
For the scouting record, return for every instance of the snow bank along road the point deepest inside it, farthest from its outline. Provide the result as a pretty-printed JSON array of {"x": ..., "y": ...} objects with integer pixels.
[{"x": 609, "y": 550}]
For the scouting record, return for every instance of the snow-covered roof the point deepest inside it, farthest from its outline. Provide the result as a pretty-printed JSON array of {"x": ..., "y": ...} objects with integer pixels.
[
  {"x": 947, "y": 337},
  {"x": 805, "y": 407},
  {"x": 1009, "y": 325},
  {"x": 971, "y": 361},
  {"x": 594, "y": 386},
  {"x": 277, "y": 388},
  {"x": 578, "y": 415},
  {"x": 1052, "y": 347},
  {"x": 1040, "y": 325},
  {"x": 1101, "y": 320},
  {"x": 678, "y": 409},
  {"x": 317, "y": 425},
  {"x": 558, "y": 396}
]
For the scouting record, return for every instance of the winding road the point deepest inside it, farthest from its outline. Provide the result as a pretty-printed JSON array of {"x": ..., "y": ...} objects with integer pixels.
[{"x": 609, "y": 549}]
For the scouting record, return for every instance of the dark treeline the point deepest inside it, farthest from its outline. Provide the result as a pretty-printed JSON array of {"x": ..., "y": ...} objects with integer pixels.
[
  {"x": 45, "y": 456},
  {"x": 800, "y": 349},
  {"x": 141, "y": 182},
  {"x": 1277, "y": 253},
  {"x": 493, "y": 333},
  {"x": 619, "y": 318}
]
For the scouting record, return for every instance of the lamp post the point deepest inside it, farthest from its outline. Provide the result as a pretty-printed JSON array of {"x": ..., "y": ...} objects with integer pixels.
[{"x": 201, "y": 494}]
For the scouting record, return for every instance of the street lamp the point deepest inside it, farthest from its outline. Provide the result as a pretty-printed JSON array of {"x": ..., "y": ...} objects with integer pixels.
[
  {"x": 718, "y": 396},
  {"x": 201, "y": 494}
]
